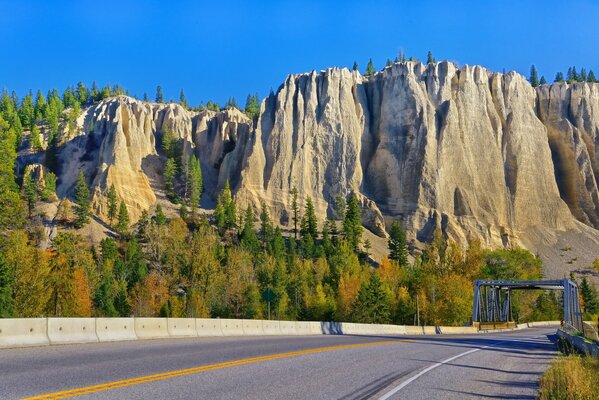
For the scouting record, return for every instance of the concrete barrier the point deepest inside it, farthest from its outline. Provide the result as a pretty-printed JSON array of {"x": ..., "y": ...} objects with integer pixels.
[
  {"x": 252, "y": 327},
  {"x": 231, "y": 327},
  {"x": 271, "y": 327},
  {"x": 20, "y": 332},
  {"x": 543, "y": 323},
  {"x": 303, "y": 328},
  {"x": 208, "y": 327},
  {"x": 458, "y": 330},
  {"x": 287, "y": 327},
  {"x": 72, "y": 330},
  {"x": 151, "y": 328},
  {"x": 181, "y": 327},
  {"x": 582, "y": 345},
  {"x": 113, "y": 329},
  {"x": 315, "y": 328}
]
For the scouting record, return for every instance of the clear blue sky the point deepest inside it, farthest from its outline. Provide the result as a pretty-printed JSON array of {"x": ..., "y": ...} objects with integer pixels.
[{"x": 219, "y": 49}]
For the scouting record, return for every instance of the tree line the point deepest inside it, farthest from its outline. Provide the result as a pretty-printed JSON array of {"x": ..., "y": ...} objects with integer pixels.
[{"x": 572, "y": 76}]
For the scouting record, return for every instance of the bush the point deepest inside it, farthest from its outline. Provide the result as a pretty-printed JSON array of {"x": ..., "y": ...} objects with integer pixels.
[{"x": 571, "y": 378}]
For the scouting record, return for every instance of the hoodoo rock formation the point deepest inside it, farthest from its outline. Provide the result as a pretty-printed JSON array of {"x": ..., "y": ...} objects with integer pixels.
[{"x": 475, "y": 153}]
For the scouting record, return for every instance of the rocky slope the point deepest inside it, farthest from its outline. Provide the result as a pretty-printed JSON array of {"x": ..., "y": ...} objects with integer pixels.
[{"x": 475, "y": 153}]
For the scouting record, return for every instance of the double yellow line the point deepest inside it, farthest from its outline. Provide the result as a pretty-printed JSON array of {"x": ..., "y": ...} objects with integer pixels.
[{"x": 196, "y": 370}]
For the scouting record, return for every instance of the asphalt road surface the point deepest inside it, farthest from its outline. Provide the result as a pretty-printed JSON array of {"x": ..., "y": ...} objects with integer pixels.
[{"x": 488, "y": 366}]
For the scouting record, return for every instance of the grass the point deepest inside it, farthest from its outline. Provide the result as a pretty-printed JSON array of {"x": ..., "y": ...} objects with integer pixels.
[{"x": 571, "y": 378}]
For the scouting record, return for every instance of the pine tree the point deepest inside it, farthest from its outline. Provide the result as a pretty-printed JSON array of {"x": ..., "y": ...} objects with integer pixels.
[
  {"x": 398, "y": 249},
  {"x": 169, "y": 173},
  {"x": 534, "y": 79},
  {"x": 159, "y": 218},
  {"x": 252, "y": 106},
  {"x": 372, "y": 304},
  {"x": 589, "y": 297},
  {"x": 591, "y": 78},
  {"x": 266, "y": 229},
  {"x": 7, "y": 303},
  {"x": 35, "y": 139},
  {"x": 559, "y": 77},
  {"x": 30, "y": 192},
  {"x": 145, "y": 97},
  {"x": 94, "y": 92},
  {"x": 542, "y": 81},
  {"x": 27, "y": 111},
  {"x": 429, "y": 58},
  {"x": 352, "y": 225},
  {"x": 583, "y": 75},
  {"x": 40, "y": 106},
  {"x": 231, "y": 103},
  {"x": 82, "y": 198},
  {"x": 370, "y": 70},
  {"x": 388, "y": 63},
  {"x": 159, "y": 94},
  {"x": 182, "y": 99},
  {"x": 183, "y": 212},
  {"x": 247, "y": 237},
  {"x": 196, "y": 183},
  {"x": 294, "y": 210},
  {"x": 82, "y": 93},
  {"x": 355, "y": 67},
  {"x": 225, "y": 212},
  {"x": 112, "y": 204},
  {"x": 122, "y": 226},
  {"x": 309, "y": 221}
]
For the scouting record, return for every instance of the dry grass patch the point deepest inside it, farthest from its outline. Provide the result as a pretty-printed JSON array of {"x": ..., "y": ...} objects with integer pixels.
[{"x": 571, "y": 378}]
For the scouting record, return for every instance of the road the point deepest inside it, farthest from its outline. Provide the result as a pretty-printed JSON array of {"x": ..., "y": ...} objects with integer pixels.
[{"x": 489, "y": 366}]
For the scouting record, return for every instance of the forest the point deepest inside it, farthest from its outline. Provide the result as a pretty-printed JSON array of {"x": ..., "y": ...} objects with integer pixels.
[{"x": 227, "y": 263}]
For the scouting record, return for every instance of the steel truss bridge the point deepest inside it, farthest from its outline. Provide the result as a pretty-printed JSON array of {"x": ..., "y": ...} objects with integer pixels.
[{"x": 492, "y": 300}]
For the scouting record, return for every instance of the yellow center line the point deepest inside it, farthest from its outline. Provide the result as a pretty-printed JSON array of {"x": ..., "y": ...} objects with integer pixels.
[{"x": 196, "y": 370}]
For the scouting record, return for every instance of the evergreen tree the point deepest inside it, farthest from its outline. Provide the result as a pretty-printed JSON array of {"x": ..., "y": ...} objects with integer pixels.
[
  {"x": 94, "y": 92},
  {"x": 252, "y": 106},
  {"x": 30, "y": 192},
  {"x": 429, "y": 58},
  {"x": 589, "y": 297},
  {"x": 159, "y": 218},
  {"x": 355, "y": 67},
  {"x": 559, "y": 77},
  {"x": 583, "y": 75},
  {"x": 82, "y": 198},
  {"x": 352, "y": 225},
  {"x": 35, "y": 139},
  {"x": 294, "y": 210},
  {"x": 370, "y": 70},
  {"x": 388, "y": 63},
  {"x": 231, "y": 103},
  {"x": 534, "y": 79},
  {"x": 183, "y": 212},
  {"x": 182, "y": 99},
  {"x": 40, "y": 106},
  {"x": 112, "y": 204},
  {"x": 543, "y": 81},
  {"x": 196, "y": 183},
  {"x": 372, "y": 304},
  {"x": 225, "y": 212},
  {"x": 159, "y": 94},
  {"x": 591, "y": 78},
  {"x": 309, "y": 221},
  {"x": 248, "y": 238},
  {"x": 122, "y": 226},
  {"x": 398, "y": 249},
  {"x": 266, "y": 229},
  {"x": 82, "y": 93},
  {"x": 145, "y": 97},
  {"x": 169, "y": 173},
  {"x": 27, "y": 111}
]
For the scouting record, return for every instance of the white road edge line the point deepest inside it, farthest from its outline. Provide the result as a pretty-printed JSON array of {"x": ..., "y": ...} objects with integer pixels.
[{"x": 428, "y": 369}]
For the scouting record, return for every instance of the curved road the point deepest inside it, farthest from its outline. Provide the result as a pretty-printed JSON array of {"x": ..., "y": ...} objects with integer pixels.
[{"x": 489, "y": 366}]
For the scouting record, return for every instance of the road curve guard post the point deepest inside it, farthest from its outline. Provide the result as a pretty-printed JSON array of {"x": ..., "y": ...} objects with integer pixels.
[{"x": 492, "y": 300}]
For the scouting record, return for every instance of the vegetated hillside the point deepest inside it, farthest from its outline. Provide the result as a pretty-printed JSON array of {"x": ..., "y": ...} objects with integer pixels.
[
  {"x": 476, "y": 154},
  {"x": 101, "y": 216}
]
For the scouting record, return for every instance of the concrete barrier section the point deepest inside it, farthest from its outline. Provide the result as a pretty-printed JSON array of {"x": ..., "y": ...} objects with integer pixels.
[
  {"x": 458, "y": 330},
  {"x": 151, "y": 328},
  {"x": 112, "y": 329},
  {"x": 271, "y": 327},
  {"x": 303, "y": 328},
  {"x": 287, "y": 327},
  {"x": 20, "y": 332},
  {"x": 231, "y": 327},
  {"x": 208, "y": 327},
  {"x": 315, "y": 328},
  {"x": 72, "y": 330},
  {"x": 252, "y": 327},
  {"x": 181, "y": 327}
]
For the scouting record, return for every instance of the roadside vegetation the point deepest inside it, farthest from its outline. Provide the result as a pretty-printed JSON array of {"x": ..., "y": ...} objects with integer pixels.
[{"x": 571, "y": 378}]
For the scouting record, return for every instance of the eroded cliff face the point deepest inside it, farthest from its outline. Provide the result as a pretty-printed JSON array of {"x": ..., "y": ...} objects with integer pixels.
[{"x": 475, "y": 153}]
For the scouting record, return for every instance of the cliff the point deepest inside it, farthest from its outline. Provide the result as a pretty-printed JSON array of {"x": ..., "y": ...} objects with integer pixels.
[{"x": 475, "y": 153}]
